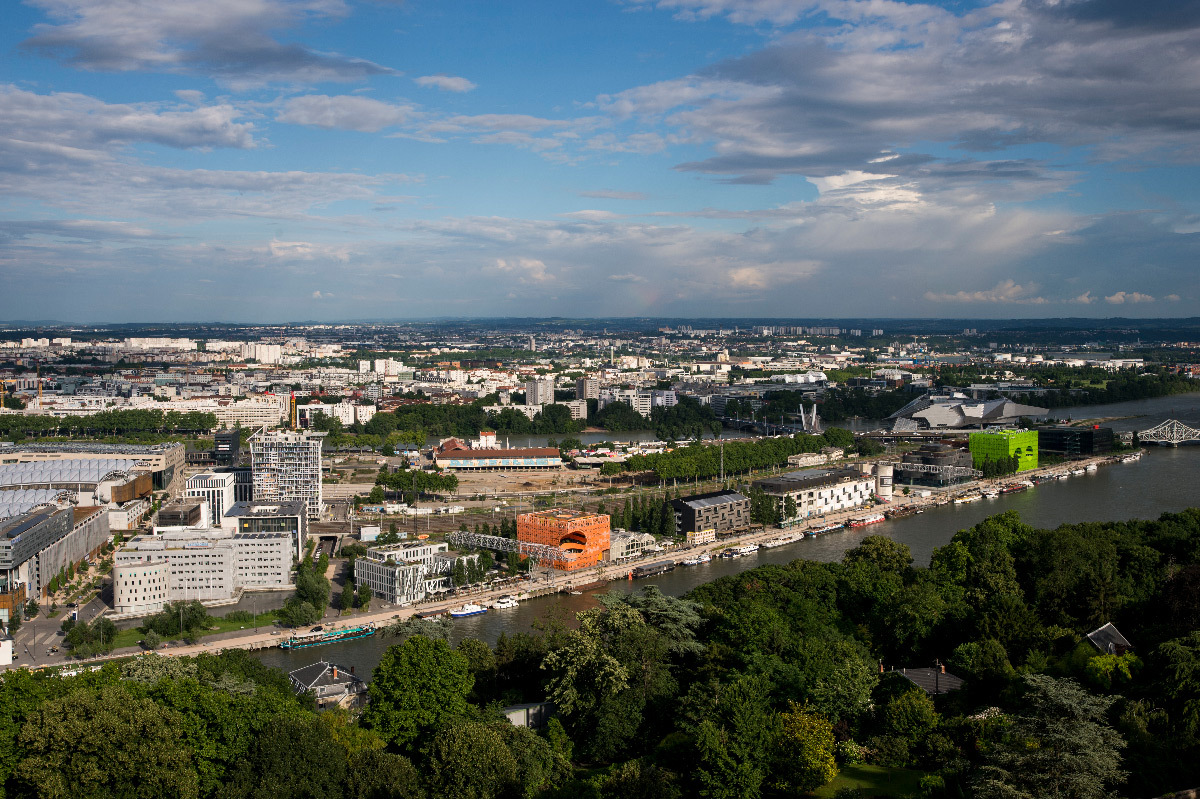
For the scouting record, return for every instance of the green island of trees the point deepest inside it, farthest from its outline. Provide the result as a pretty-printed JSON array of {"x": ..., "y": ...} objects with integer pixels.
[{"x": 763, "y": 684}]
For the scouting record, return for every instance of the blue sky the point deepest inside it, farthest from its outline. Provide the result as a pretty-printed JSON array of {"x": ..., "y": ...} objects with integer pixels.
[{"x": 245, "y": 160}]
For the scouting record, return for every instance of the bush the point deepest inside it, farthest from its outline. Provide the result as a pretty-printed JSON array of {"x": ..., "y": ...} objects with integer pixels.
[
  {"x": 151, "y": 641},
  {"x": 239, "y": 616}
]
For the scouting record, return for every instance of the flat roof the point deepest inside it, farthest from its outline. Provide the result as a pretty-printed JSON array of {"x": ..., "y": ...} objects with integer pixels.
[
  {"x": 562, "y": 514},
  {"x": 712, "y": 498},
  {"x": 807, "y": 478}
]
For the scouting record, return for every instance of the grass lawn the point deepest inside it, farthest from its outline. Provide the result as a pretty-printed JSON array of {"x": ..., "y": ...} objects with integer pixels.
[
  {"x": 873, "y": 781},
  {"x": 266, "y": 620}
]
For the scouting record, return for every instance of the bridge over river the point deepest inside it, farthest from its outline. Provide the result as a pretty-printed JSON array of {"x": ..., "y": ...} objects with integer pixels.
[{"x": 1170, "y": 433}]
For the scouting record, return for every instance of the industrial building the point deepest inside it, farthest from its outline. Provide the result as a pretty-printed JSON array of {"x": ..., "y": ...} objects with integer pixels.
[
  {"x": 208, "y": 565},
  {"x": 718, "y": 511},
  {"x": 1003, "y": 444},
  {"x": 819, "y": 491},
  {"x": 1075, "y": 442},
  {"x": 584, "y": 537},
  {"x": 287, "y": 466}
]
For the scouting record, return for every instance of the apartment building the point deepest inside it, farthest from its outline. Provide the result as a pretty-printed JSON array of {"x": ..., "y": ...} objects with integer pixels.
[
  {"x": 287, "y": 466},
  {"x": 218, "y": 488},
  {"x": 819, "y": 491}
]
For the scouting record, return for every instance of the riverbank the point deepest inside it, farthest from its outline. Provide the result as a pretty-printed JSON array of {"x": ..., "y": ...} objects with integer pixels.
[{"x": 597, "y": 579}]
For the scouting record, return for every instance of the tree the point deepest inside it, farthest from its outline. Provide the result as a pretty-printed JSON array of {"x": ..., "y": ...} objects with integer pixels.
[
  {"x": 637, "y": 779},
  {"x": 297, "y": 613},
  {"x": 1059, "y": 745},
  {"x": 417, "y": 685},
  {"x": 470, "y": 761},
  {"x": 151, "y": 641},
  {"x": 364, "y": 597},
  {"x": 805, "y": 759},
  {"x": 105, "y": 743},
  {"x": 346, "y": 601},
  {"x": 31, "y": 608}
]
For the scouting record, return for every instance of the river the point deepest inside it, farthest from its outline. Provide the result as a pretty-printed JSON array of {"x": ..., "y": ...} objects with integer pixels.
[{"x": 1164, "y": 480}]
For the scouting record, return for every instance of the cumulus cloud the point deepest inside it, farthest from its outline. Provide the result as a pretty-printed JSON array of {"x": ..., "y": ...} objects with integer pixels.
[
  {"x": 230, "y": 40},
  {"x": 1006, "y": 291},
  {"x": 1122, "y": 297},
  {"x": 861, "y": 82},
  {"x": 1085, "y": 298},
  {"x": 527, "y": 270},
  {"x": 447, "y": 83}
]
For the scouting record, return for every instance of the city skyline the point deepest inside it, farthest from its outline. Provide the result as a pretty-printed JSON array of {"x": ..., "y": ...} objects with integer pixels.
[{"x": 325, "y": 160}]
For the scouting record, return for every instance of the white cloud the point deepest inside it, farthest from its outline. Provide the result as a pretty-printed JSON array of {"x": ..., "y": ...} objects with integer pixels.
[
  {"x": 347, "y": 112},
  {"x": 232, "y": 41},
  {"x": 609, "y": 194},
  {"x": 527, "y": 270},
  {"x": 627, "y": 278},
  {"x": 1122, "y": 297},
  {"x": 77, "y": 120},
  {"x": 1085, "y": 298},
  {"x": 447, "y": 83},
  {"x": 1172, "y": 298},
  {"x": 1006, "y": 291}
]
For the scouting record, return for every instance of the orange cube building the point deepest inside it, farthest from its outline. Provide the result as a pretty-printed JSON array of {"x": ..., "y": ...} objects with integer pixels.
[{"x": 583, "y": 536}]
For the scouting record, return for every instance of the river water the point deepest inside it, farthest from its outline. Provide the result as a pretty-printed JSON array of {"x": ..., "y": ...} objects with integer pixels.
[{"x": 1164, "y": 480}]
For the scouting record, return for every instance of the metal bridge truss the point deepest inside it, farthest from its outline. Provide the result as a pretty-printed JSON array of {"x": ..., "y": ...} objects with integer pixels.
[
  {"x": 543, "y": 554},
  {"x": 948, "y": 471},
  {"x": 1169, "y": 432}
]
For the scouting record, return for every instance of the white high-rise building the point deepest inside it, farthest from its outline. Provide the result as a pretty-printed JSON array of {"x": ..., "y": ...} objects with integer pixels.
[
  {"x": 217, "y": 488},
  {"x": 587, "y": 388},
  {"x": 287, "y": 466},
  {"x": 539, "y": 392}
]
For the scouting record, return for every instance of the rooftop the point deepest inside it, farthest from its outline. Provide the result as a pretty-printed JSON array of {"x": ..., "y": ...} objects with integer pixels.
[
  {"x": 806, "y": 478},
  {"x": 712, "y": 498}
]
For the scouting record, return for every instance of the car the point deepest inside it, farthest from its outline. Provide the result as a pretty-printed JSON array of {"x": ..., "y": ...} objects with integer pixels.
[
  {"x": 72, "y": 604},
  {"x": 316, "y": 629}
]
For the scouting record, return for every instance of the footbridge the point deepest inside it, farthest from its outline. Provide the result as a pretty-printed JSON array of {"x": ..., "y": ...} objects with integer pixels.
[
  {"x": 1170, "y": 433},
  {"x": 539, "y": 553}
]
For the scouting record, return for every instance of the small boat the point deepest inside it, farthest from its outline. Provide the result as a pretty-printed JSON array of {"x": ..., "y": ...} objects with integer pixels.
[
  {"x": 863, "y": 521},
  {"x": 469, "y": 609},
  {"x": 747, "y": 549},
  {"x": 991, "y": 493},
  {"x": 1013, "y": 488},
  {"x": 828, "y": 528},
  {"x": 507, "y": 602},
  {"x": 575, "y": 593},
  {"x": 691, "y": 561},
  {"x": 1077, "y": 472},
  {"x": 963, "y": 500},
  {"x": 705, "y": 558},
  {"x": 729, "y": 554},
  {"x": 1091, "y": 467}
]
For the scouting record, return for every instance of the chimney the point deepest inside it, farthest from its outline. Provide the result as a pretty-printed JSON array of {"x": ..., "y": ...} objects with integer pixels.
[
  {"x": 352, "y": 670},
  {"x": 335, "y": 672}
]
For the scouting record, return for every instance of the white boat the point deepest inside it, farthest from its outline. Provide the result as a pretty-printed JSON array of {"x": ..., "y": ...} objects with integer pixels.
[
  {"x": 991, "y": 493},
  {"x": 705, "y": 558},
  {"x": 691, "y": 561},
  {"x": 747, "y": 549},
  {"x": 963, "y": 500},
  {"x": 1077, "y": 472},
  {"x": 779, "y": 541},
  {"x": 469, "y": 609},
  {"x": 505, "y": 603},
  {"x": 1091, "y": 467}
]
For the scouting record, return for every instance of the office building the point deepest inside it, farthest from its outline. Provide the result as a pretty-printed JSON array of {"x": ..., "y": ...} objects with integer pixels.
[
  {"x": 718, "y": 511},
  {"x": 163, "y": 462},
  {"x": 217, "y": 488},
  {"x": 208, "y": 565},
  {"x": 400, "y": 574},
  {"x": 819, "y": 491},
  {"x": 626, "y": 545},
  {"x": 583, "y": 537},
  {"x": 36, "y": 546},
  {"x": 270, "y": 517},
  {"x": 287, "y": 466},
  {"x": 1001, "y": 445},
  {"x": 1075, "y": 442}
]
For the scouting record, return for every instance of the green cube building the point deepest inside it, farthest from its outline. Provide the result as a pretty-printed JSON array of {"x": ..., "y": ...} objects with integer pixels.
[{"x": 1002, "y": 444}]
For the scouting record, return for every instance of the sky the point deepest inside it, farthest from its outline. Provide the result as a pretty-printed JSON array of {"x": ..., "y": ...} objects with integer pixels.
[{"x": 286, "y": 160}]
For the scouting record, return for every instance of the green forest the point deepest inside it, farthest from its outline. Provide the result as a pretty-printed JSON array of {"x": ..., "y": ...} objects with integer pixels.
[
  {"x": 704, "y": 461},
  {"x": 768, "y": 683}
]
